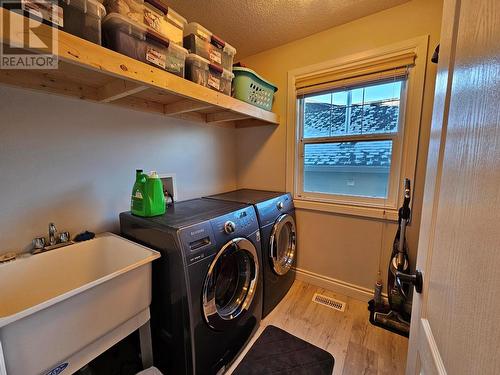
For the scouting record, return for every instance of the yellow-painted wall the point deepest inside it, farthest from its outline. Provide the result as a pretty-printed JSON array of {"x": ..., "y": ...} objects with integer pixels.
[{"x": 345, "y": 248}]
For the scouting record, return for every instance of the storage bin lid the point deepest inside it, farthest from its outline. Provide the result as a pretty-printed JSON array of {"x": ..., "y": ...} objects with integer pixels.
[
  {"x": 197, "y": 61},
  {"x": 169, "y": 13},
  {"x": 178, "y": 49},
  {"x": 239, "y": 69},
  {"x": 203, "y": 33},
  {"x": 92, "y": 7},
  {"x": 118, "y": 21},
  {"x": 227, "y": 74},
  {"x": 219, "y": 70},
  {"x": 205, "y": 64},
  {"x": 176, "y": 18}
]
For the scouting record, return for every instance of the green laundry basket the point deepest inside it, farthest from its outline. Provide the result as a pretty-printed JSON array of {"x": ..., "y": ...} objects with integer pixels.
[{"x": 252, "y": 88}]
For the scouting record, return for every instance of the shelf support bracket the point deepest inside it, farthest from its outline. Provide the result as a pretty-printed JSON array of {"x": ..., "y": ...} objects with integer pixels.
[
  {"x": 250, "y": 123},
  {"x": 119, "y": 89},
  {"x": 226, "y": 116},
  {"x": 185, "y": 106}
]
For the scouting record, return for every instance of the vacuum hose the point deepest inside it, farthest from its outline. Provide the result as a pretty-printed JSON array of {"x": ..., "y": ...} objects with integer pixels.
[{"x": 399, "y": 258}]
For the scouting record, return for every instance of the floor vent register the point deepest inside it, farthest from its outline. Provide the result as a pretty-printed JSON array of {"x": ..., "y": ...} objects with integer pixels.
[{"x": 329, "y": 302}]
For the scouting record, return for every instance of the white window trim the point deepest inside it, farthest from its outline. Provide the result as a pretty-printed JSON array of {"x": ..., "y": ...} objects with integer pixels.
[
  {"x": 392, "y": 200},
  {"x": 409, "y": 138}
]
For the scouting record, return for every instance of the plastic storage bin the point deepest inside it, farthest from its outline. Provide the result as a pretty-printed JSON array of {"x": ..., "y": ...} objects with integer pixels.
[
  {"x": 202, "y": 42},
  {"x": 50, "y": 13},
  {"x": 138, "y": 42},
  {"x": 83, "y": 18},
  {"x": 202, "y": 72},
  {"x": 78, "y": 17},
  {"x": 252, "y": 88},
  {"x": 152, "y": 14}
]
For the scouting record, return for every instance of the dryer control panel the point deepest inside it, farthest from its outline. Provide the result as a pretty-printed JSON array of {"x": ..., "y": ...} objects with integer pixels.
[{"x": 269, "y": 210}]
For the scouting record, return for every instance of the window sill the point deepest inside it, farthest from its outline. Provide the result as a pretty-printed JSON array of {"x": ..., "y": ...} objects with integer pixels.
[{"x": 351, "y": 210}]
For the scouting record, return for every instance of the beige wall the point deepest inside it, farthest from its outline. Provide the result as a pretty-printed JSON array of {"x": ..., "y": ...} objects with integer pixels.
[
  {"x": 73, "y": 162},
  {"x": 335, "y": 246}
]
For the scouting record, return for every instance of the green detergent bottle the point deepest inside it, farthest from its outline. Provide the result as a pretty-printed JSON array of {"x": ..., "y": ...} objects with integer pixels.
[
  {"x": 156, "y": 198},
  {"x": 147, "y": 195}
]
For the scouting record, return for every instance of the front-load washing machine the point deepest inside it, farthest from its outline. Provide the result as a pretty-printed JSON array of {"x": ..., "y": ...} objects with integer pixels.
[
  {"x": 276, "y": 214},
  {"x": 207, "y": 286}
]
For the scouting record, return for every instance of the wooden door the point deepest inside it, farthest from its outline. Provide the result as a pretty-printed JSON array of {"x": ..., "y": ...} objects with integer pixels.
[{"x": 455, "y": 327}]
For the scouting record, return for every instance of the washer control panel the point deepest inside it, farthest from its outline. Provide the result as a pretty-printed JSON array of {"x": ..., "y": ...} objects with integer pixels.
[
  {"x": 199, "y": 242},
  {"x": 204, "y": 239},
  {"x": 239, "y": 223}
]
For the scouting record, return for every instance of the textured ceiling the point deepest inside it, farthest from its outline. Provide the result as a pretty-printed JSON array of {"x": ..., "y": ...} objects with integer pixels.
[{"x": 253, "y": 26}]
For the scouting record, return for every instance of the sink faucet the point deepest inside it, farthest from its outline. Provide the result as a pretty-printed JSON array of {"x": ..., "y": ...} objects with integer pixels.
[
  {"x": 55, "y": 240},
  {"x": 52, "y": 234}
]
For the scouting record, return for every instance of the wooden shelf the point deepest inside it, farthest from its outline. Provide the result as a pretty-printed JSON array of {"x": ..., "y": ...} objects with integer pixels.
[{"x": 94, "y": 73}]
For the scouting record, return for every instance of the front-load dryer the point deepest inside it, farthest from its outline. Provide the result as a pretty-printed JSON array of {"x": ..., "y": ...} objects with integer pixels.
[
  {"x": 276, "y": 214},
  {"x": 207, "y": 286}
]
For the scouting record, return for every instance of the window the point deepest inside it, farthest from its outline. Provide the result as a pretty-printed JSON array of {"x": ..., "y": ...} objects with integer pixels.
[
  {"x": 354, "y": 126},
  {"x": 348, "y": 137}
]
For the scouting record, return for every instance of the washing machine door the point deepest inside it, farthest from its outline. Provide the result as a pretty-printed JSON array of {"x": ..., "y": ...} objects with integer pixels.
[
  {"x": 230, "y": 283},
  {"x": 282, "y": 244}
]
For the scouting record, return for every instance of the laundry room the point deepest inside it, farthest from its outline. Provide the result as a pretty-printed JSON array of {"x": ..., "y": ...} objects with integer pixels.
[{"x": 249, "y": 187}]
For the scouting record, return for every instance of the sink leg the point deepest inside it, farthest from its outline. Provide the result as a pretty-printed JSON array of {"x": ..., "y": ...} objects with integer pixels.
[
  {"x": 3, "y": 366},
  {"x": 146, "y": 345}
]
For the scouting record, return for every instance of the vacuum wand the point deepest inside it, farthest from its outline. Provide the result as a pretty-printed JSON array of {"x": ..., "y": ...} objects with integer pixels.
[
  {"x": 404, "y": 217},
  {"x": 400, "y": 260}
]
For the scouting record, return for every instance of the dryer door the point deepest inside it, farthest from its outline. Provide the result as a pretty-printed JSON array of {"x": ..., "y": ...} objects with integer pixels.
[
  {"x": 282, "y": 244},
  {"x": 231, "y": 283}
]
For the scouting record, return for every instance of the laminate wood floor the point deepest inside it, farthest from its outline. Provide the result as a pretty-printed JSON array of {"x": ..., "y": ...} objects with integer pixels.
[{"x": 359, "y": 348}]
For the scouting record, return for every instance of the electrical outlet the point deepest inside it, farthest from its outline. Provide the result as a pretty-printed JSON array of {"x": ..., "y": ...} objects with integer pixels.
[{"x": 168, "y": 180}]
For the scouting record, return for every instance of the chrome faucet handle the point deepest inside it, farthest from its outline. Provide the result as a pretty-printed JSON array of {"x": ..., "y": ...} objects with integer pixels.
[
  {"x": 38, "y": 245},
  {"x": 52, "y": 234},
  {"x": 64, "y": 237}
]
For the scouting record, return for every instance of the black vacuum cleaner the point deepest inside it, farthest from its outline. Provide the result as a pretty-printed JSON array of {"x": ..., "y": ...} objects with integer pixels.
[{"x": 395, "y": 316}]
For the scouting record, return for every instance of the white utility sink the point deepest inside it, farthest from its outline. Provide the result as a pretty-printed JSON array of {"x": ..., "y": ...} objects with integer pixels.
[{"x": 62, "y": 308}]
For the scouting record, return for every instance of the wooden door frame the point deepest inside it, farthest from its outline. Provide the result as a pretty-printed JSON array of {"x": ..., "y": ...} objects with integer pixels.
[{"x": 420, "y": 329}]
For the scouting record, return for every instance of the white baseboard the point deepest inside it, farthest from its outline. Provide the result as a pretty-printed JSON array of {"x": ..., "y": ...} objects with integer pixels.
[{"x": 334, "y": 285}]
